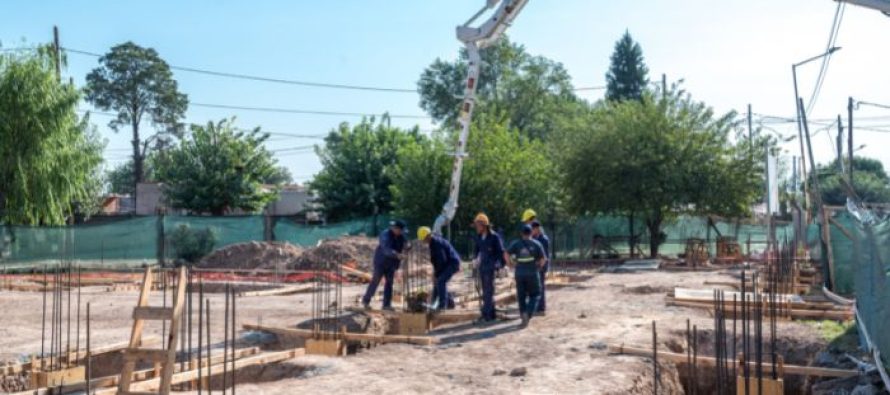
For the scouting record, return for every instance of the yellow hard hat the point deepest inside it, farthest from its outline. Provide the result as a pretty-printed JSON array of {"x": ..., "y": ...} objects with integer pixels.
[
  {"x": 529, "y": 215},
  {"x": 481, "y": 218},
  {"x": 423, "y": 232}
]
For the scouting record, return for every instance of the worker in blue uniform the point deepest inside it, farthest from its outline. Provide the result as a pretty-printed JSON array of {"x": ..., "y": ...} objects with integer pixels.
[
  {"x": 527, "y": 259},
  {"x": 387, "y": 259},
  {"x": 489, "y": 257},
  {"x": 446, "y": 263},
  {"x": 529, "y": 217}
]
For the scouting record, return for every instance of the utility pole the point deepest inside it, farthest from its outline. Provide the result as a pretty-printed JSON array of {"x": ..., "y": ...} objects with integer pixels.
[
  {"x": 57, "y": 53},
  {"x": 750, "y": 128},
  {"x": 817, "y": 196},
  {"x": 850, "y": 139},
  {"x": 664, "y": 84},
  {"x": 840, "y": 144}
]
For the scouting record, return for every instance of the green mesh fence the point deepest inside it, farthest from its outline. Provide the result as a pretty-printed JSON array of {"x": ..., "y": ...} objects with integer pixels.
[
  {"x": 309, "y": 235},
  {"x": 131, "y": 241},
  {"x": 576, "y": 239},
  {"x": 861, "y": 253}
]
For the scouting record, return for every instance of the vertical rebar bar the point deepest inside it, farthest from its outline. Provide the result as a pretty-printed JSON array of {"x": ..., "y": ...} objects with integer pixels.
[
  {"x": 234, "y": 338},
  {"x": 89, "y": 356},
  {"x": 654, "y": 359},
  {"x": 225, "y": 340},
  {"x": 79, "y": 285},
  {"x": 43, "y": 322},
  {"x": 209, "y": 354},
  {"x": 200, "y": 334}
]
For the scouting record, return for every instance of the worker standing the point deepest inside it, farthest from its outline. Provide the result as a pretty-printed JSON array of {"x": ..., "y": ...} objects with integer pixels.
[
  {"x": 527, "y": 259},
  {"x": 489, "y": 257},
  {"x": 530, "y": 217},
  {"x": 446, "y": 263},
  {"x": 387, "y": 259}
]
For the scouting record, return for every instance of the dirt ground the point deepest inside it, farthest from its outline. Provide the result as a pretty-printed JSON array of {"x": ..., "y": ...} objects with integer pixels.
[{"x": 564, "y": 352}]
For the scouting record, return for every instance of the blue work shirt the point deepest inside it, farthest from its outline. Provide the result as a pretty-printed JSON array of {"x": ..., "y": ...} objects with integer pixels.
[
  {"x": 443, "y": 255},
  {"x": 526, "y": 254},
  {"x": 545, "y": 243},
  {"x": 388, "y": 248},
  {"x": 490, "y": 251}
]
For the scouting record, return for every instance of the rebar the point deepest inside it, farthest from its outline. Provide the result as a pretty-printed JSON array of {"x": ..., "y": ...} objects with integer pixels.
[
  {"x": 226, "y": 340},
  {"x": 89, "y": 368},
  {"x": 200, "y": 334},
  {"x": 654, "y": 359},
  {"x": 209, "y": 357},
  {"x": 43, "y": 321}
]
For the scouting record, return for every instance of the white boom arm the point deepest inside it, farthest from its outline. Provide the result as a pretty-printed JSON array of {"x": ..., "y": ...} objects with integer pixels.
[
  {"x": 474, "y": 38},
  {"x": 880, "y": 5}
]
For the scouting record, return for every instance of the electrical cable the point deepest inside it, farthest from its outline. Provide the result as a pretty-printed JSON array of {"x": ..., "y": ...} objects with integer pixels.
[
  {"x": 299, "y": 111},
  {"x": 832, "y": 40}
]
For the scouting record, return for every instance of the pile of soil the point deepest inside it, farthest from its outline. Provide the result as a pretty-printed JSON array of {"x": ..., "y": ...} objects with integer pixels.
[
  {"x": 252, "y": 255},
  {"x": 330, "y": 253}
]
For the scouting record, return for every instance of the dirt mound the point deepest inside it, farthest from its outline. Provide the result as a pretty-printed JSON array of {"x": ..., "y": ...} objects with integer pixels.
[
  {"x": 334, "y": 252},
  {"x": 252, "y": 255},
  {"x": 647, "y": 289}
]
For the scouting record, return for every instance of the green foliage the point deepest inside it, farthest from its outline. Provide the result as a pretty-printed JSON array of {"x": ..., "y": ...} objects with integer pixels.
[
  {"x": 504, "y": 174},
  {"x": 357, "y": 169},
  {"x": 136, "y": 83},
  {"x": 217, "y": 169},
  {"x": 190, "y": 245},
  {"x": 120, "y": 179},
  {"x": 280, "y": 176},
  {"x": 870, "y": 181},
  {"x": 49, "y": 159},
  {"x": 532, "y": 91},
  {"x": 628, "y": 75},
  {"x": 656, "y": 158}
]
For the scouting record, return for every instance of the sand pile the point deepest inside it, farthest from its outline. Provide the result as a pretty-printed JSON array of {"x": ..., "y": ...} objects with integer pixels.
[
  {"x": 252, "y": 255},
  {"x": 333, "y": 252}
]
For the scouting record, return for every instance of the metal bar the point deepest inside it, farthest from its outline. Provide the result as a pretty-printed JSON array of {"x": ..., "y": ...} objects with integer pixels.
[
  {"x": 654, "y": 359},
  {"x": 89, "y": 356},
  {"x": 226, "y": 340},
  {"x": 43, "y": 321},
  {"x": 200, "y": 333}
]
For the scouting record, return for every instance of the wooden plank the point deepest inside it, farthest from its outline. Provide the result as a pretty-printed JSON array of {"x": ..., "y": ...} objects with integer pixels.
[
  {"x": 76, "y": 355},
  {"x": 153, "y": 313},
  {"x": 837, "y": 315},
  {"x": 711, "y": 361},
  {"x": 146, "y": 355},
  {"x": 356, "y": 273},
  {"x": 348, "y": 336},
  {"x": 136, "y": 331},
  {"x": 289, "y": 290},
  {"x": 191, "y": 375}
]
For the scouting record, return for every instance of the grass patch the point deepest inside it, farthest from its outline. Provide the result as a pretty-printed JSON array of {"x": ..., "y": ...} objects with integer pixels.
[{"x": 839, "y": 335}]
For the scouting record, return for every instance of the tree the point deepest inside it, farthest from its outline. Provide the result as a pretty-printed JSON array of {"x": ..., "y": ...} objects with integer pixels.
[
  {"x": 135, "y": 82},
  {"x": 190, "y": 245},
  {"x": 217, "y": 169},
  {"x": 120, "y": 180},
  {"x": 357, "y": 169},
  {"x": 280, "y": 176},
  {"x": 628, "y": 75},
  {"x": 49, "y": 159},
  {"x": 532, "y": 91},
  {"x": 656, "y": 158},
  {"x": 504, "y": 174},
  {"x": 870, "y": 181}
]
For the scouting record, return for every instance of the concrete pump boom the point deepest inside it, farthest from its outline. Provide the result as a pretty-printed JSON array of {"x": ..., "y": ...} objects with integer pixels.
[
  {"x": 880, "y": 5},
  {"x": 474, "y": 38}
]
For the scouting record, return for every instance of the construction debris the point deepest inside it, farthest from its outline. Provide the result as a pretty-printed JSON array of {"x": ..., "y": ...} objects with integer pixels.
[{"x": 252, "y": 255}]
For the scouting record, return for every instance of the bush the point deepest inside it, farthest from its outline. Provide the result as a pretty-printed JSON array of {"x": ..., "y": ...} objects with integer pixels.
[{"x": 190, "y": 245}]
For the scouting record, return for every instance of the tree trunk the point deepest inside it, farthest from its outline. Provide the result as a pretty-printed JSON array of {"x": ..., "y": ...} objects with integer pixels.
[
  {"x": 138, "y": 157},
  {"x": 631, "y": 241},
  {"x": 653, "y": 224}
]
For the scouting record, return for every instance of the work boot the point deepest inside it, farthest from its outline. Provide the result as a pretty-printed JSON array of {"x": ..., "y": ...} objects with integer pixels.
[
  {"x": 388, "y": 308},
  {"x": 525, "y": 320},
  {"x": 540, "y": 313},
  {"x": 366, "y": 306}
]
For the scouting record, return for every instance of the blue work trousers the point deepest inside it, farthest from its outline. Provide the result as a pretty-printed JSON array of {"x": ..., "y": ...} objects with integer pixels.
[
  {"x": 528, "y": 288},
  {"x": 440, "y": 289},
  {"x": 486, "y": 278},
  {"x": 382, "y": 270}
]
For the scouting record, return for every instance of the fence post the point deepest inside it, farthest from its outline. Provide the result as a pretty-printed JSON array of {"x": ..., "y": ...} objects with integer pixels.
[
  {"x": 268, "y": 227},
  {"x": 162, "y": 239}
]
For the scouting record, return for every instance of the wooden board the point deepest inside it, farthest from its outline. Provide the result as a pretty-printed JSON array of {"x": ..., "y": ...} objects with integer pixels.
[
  {"x": 837, "y": 315},
  {"x": 288, "y": 290},
  {"x": 711, "y": 361},
  {"x": 707, "y": 295},
  {"x": 412, "y": 324},
  {"x": 331, "y": 348},
  {"x": 770, "y": 386},
  {"x": 52, "y": 379},
  {"x": 348, "y": 336}
]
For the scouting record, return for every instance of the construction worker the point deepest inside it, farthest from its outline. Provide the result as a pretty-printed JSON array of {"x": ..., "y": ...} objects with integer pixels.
[
  {"x": 446, "y": 263},
  {"x": 530, "y": 217},
  {"x": 489, "y": 257},
  {"x": 387, "y": 259},
  {"x": 528, "y": 259}
]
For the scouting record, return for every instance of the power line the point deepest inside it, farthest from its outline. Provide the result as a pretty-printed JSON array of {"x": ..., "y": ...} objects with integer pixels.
[
  {"x": 832, "y": 40},
  {"x": 293, "y": 82},
  {"x": 299, "y": 111}
]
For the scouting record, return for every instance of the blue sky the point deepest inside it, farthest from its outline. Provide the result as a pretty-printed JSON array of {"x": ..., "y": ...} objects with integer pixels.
[{"x": 729, "y": 53}]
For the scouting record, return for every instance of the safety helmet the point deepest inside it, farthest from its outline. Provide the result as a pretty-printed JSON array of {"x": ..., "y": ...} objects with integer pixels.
[
  {"x": 423, "y": 232},
  {"x": 529, "y": 215},
  {"x": 482, "y": 219}
]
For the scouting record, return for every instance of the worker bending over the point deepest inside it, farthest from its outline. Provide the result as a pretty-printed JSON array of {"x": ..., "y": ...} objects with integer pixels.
[
  {"x": 446, "y": 263},
  {"x": 489, "y": 257},
  {"x": 387, "y": 258},
  {"x": 529, "y": 217},
  {"x": 527, "y": 259}
]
